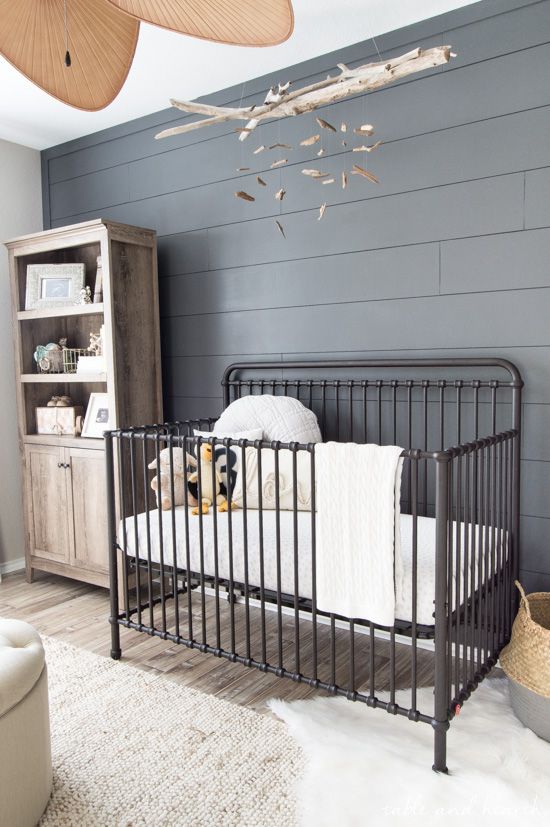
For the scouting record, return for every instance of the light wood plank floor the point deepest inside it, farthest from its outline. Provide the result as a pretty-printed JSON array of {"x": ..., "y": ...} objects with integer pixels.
[{"x": 77, "y": 613}]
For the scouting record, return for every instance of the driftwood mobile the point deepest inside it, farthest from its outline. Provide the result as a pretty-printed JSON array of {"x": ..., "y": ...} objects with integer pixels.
[{"x": 280, "y": 102}]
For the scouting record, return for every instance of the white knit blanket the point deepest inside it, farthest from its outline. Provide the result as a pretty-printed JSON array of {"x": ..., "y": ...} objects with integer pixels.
[{"x": 358, "y": 537}]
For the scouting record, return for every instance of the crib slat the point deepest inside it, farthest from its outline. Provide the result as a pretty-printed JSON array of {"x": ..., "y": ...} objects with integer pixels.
[
  {"x": 148, "y": 534},
  {"x": 174, "y": 541},
  {"x": 296, "y": 561},
  {"x": 217, "y": 621},
  {"x": 135, "y": 524},
  {"x": 245, "y": 553},
  {"x": 313, "y": 569},
  {"x": 200, "y": 482},
  {"x": 275, "y": 446},
  {"x": 261, "y": 551},
  {"x": 186, "y": 445}
]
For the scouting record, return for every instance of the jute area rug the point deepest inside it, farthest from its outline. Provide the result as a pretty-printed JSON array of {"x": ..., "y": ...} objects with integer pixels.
[{"x": 132, "y": 749}]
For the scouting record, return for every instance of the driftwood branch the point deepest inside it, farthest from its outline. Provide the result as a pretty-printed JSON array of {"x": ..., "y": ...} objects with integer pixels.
[{"x": 349, "y": 82}]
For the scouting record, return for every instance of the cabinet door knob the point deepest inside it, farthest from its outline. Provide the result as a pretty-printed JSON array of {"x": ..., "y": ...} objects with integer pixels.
[{"x": 60, "y": 465}]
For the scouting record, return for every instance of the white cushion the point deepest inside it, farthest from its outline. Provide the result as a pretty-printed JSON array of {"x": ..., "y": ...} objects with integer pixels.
[
  {"x": 21, "y": 662},
  {"x": 281, "y": 418},
  {"x": 269, "y": 480}
]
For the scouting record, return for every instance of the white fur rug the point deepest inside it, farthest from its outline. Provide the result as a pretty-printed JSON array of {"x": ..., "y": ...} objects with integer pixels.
[
  {"x": 132, "y": 749},
  {"x": 366, "y": 770}
]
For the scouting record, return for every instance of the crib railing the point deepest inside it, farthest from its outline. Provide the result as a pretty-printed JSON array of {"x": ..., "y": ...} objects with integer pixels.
[{"x": 202, "y": 581}]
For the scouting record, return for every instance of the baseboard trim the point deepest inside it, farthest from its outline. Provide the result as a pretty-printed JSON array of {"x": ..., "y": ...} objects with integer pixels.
[{"x": 12, "y": 565}]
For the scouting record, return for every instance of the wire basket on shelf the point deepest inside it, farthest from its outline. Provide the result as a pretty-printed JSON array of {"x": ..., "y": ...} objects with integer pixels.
[{"x": 71, "y": 356}]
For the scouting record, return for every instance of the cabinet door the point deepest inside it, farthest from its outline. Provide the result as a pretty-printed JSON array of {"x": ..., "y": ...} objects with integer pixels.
[
  {"x": 88, "y": 506},
  {"x": 47, "y": 502}
]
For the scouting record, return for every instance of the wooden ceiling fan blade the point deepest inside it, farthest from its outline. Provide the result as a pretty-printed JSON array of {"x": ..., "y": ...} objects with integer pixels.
[
  {"x": 101, "y": 42},
  {"x": 235, "y": 22}
]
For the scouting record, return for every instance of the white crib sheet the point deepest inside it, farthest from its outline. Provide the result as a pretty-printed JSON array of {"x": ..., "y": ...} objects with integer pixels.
[{"x": 425, "y": 552}]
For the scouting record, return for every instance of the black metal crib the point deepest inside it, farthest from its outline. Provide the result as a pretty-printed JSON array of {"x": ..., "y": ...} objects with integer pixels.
[{"x": 182, "y": 578}]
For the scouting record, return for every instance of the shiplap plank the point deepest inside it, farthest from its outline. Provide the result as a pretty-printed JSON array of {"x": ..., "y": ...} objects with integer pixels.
[
  {"x": 377, "y": 274},
  {"x": 438, "y": 322},
  {"x": 497, "y": 262}
]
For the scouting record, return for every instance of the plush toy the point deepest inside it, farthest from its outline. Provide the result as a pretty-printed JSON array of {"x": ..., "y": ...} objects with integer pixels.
[
  {"x": 211, "y": 484},
  {"x": 180, "y": 468}
]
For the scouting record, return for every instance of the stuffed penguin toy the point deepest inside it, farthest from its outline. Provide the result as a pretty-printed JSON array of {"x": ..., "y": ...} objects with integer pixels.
[{"x": 211, "y": 484}]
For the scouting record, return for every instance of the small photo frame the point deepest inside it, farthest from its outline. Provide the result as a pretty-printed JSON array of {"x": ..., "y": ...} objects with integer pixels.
[
  {"x": 53, "y": 285},
  {"x": 99, "y": 417}
]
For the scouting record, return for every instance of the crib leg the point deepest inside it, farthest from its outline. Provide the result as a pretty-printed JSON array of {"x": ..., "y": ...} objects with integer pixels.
[
  {"x": 440, "y": 746},
  {"x": 116, "y": 651}
]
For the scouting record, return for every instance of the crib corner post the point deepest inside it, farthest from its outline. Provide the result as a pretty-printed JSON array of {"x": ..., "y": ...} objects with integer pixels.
[
  {"x": 116, "y": 652},
  {"x": 440, "y": 721}
]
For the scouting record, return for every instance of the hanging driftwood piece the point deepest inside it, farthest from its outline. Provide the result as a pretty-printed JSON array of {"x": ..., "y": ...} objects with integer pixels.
[
  {"x": 343, "y": 127},
  {"x": 364, "y": 148},
  {"x": 280, "y": 227},
  {"x": 259, "y": 149},
  {"x": 281, "y": 146},
  {"x": 315, "y": 173},
  {"x": 328, "y": 181},
  {"x": 364, "y": 129},
  {"x": 357, "y": 170},
  {"x": 243, "y": 169},
  {"x": 279, "y": 163},
  {"x": 344, "y": 180},
  {"x": 261, "y": 181},
  {"x": 244, "y": 195},
  {"x": 310, "y": 141},
  {"x": 280, "y": 194},
  {"x": 331, "y": 89},
  {"x": 322, "y": 209},
  {"x": 244, "y": 130},
  {"x": 325, "y": 124},
  {"x": 277, "y": 93}
]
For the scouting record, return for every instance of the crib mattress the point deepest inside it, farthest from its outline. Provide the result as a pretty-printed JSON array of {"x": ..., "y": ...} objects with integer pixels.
[{"x": 174, "y": 545}]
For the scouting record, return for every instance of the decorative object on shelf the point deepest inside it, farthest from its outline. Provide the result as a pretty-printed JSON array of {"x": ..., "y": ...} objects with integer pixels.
[
  {"x": 81, "y": 52},
  {"x": 59, "y": 420},
  {"x": 96, "y": 343},
  {"x": 49, "y": 358},
  {"x": 331, "y": 89},
  {"x": 85, "y": 296},
  {"x": 60, "y": 402},
  {"x": 53, "y": 285},
  {"x": 96, "y": 363},
  {"x": 71, "y": 357},
  {"x": 98, "y": 416},
  {"x": 98, "y": 284}
]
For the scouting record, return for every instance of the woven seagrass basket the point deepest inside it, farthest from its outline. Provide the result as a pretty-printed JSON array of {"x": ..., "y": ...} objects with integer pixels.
[{"x": 526, "y": 662}]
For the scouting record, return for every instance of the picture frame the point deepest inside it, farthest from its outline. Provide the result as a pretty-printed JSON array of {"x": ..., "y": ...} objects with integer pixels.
[
  {"x": 53, "y": 285},
  {"x": 99, "y": 417}
]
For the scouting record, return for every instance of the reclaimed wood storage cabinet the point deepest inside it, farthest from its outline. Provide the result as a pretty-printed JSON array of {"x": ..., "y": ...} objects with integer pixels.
[{"x": 64, "y": 476}]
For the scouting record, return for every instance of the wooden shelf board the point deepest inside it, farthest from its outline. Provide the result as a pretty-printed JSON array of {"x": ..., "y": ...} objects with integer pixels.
[
  {"x": 61, "y": 312},
  {"x": 61, "y": 378},
  {"x": 64, "y": 441}
]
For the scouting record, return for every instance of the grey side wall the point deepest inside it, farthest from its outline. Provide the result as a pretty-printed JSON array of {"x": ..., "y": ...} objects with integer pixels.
[{"x": 449, "y": 254}]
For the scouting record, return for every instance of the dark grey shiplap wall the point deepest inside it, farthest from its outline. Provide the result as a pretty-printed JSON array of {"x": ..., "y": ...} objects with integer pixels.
[{"x": 450, "y": 254}]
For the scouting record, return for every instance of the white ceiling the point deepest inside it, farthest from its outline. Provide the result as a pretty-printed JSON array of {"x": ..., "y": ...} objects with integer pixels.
[{"x": 170, "y": 65}]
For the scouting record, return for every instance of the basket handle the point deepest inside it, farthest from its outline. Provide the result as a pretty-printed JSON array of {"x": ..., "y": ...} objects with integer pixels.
[{"x": 524, "y": 601}]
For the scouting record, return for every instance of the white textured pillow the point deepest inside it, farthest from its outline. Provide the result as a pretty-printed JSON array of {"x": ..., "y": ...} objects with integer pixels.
[
  {"x": 269, "y": 480},
  {"x": 281, "y": 418}
]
